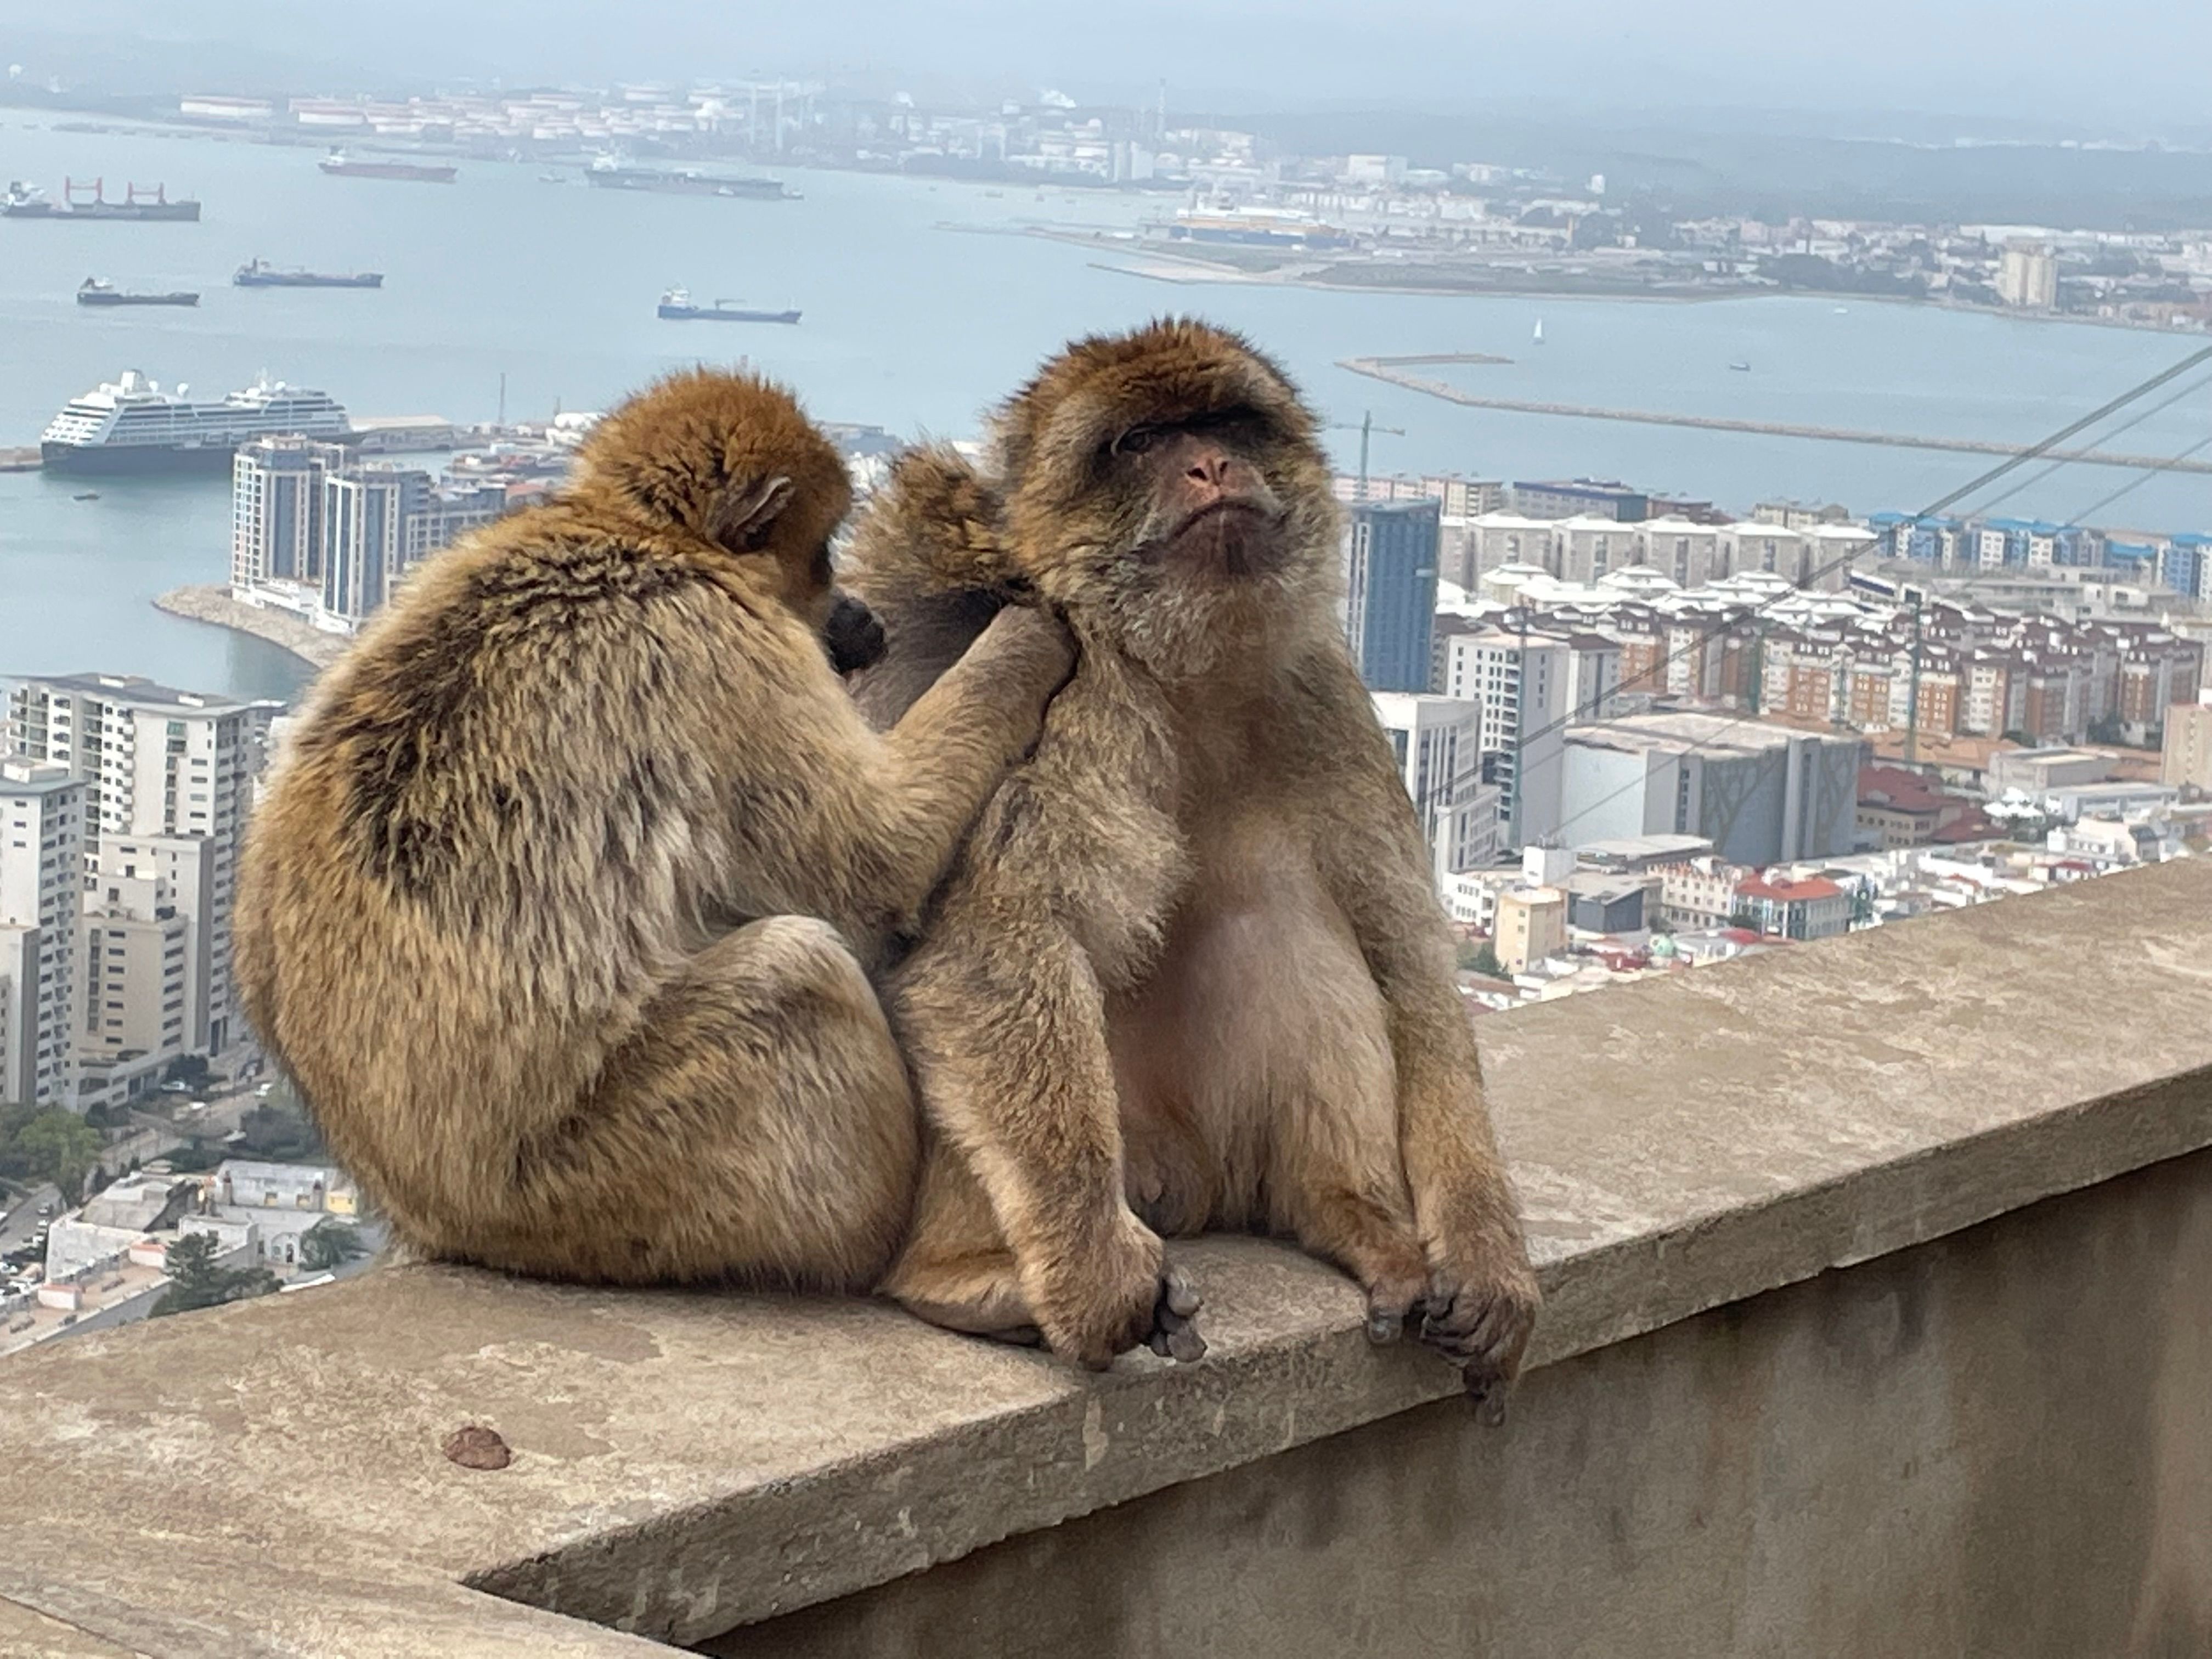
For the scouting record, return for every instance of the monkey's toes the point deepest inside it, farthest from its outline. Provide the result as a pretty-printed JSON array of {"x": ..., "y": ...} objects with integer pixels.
[{"x": 1175, "y": 1334}]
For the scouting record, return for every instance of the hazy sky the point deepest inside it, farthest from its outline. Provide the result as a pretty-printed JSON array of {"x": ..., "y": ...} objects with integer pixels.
[{"x": 2135, "y": 64}]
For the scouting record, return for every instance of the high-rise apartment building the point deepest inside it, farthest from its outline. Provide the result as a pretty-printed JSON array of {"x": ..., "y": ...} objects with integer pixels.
[
  {"x": 42, "y": 826},
  {"x": 277, "y": 510},
  {"x": 342, "y": 530},
  {"x": 1390, "y": 590},
  {"x": 139, "y": 969},
  {"x": 1437, "y": 741},
  {"x": 171, "y": 770},
  {"x": 1525, "y": 683}
]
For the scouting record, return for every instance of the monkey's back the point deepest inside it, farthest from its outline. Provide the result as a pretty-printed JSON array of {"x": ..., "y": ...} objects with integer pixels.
[{"x": 496, "y": 830}]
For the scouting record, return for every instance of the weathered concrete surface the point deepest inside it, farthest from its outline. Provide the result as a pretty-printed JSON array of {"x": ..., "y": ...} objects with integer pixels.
[
  {"x": 688, "y": 1463},
  {"x": 1996, "y": 1445}
]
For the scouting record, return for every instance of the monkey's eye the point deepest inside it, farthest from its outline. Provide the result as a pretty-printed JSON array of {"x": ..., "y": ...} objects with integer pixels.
[{"x": 1136, "y": 441}]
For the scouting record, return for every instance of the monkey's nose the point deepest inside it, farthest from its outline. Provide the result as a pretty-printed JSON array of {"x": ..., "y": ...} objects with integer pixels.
[{"x": 1210, "y": 467}]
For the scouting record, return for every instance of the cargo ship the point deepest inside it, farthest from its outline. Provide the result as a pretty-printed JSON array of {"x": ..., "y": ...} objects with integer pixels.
[
  {"x": 609, "y": 174},
  {"x": 132, "y": 425},
  {"x": 94, "y": 292},
  {"x": 28, "y": 202},
  {"x": 677, "y": 306},
  {"x": 339, "y": 165},
  {"x": 256, "y": 273}
]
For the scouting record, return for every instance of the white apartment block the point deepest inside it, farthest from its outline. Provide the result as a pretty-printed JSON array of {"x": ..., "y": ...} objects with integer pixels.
[
  {"x": 173, "y": 770},
  {"x": 142, "y": 982},
  {"x": 1437, "y": 741},
  {"x": 42, "y": 827},
  {"x": 1524, "y": 684}
]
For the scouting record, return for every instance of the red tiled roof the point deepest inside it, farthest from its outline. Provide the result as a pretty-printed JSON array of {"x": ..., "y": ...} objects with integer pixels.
[
  {"x": 1785, "y": 891},
  {"x": 1901, "y": 790}
]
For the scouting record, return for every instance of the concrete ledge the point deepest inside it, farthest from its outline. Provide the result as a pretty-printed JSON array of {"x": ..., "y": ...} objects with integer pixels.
[{"x": 267, "y": 1479}]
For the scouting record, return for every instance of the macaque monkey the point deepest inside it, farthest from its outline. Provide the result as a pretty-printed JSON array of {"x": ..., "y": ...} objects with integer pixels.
[
  {"x": 1189, "y": 972},
  {"x": 563, "y": 905}
]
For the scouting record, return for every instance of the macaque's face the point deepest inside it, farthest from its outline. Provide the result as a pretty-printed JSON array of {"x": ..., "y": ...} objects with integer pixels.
[{"x": 1207, "y": 508}]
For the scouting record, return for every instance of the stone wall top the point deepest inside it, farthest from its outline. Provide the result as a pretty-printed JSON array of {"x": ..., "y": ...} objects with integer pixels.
[{"x": 268, "y": 1477}]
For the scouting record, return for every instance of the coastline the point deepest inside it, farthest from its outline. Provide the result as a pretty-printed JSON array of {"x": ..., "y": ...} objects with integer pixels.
[{"x": 213, "y": 604}]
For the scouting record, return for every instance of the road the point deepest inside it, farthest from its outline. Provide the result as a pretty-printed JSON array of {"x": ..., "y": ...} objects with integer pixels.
[{"x": 23, "y": 1219}]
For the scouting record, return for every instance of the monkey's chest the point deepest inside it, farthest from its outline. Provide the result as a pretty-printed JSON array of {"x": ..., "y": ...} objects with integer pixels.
[{"x": 1258, "y": 1010}]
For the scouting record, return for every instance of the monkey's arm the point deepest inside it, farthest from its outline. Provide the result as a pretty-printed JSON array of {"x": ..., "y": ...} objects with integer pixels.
[
  {"x": 832, "y": 819},
  {"x": 1482, "y": 1295}
]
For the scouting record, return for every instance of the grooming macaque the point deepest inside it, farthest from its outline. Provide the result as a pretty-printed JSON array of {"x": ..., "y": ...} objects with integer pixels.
[
  {"x": 561, "y": 906},
  {"x": 1189, "y": 972}
]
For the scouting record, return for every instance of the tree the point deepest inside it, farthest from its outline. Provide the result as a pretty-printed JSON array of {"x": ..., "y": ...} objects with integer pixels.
[
  {"x": 279, "y": 1135},
  {"x": 197, "y": 1282},
  {"x": 1481, "y": 957},
  {"x": 330, "y": 1243},
  {"x": 55, "y": 1145}
]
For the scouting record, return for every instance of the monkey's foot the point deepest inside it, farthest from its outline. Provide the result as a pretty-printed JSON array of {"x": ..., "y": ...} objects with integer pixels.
[{"x": 1478, "y": 1311}]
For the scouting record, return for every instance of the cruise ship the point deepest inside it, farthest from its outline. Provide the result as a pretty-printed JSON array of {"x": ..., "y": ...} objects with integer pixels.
[{"x": 132, "y": 425}]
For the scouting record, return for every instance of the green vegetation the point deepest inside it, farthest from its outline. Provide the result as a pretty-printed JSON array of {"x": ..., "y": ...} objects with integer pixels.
[
  {"x": 330, "y": 1243},
  {"x": 1480, "y": 957},
  {"x": 39, "y": 1145},
  {"x": 199, "y": 1283},
  {"x": 281, "y": 1135}
]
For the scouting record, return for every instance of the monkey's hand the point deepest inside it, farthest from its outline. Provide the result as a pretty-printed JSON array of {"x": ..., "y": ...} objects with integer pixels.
[
  {"x": 1028, "y": 652},
  {"x": 1112, "y": 1295},
  {"x": 1480, "y": 1305}
]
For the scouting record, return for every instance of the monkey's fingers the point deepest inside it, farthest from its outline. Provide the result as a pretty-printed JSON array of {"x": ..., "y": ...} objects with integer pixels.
[
  {"x": 1175, "y": 1330},
  {"x": 1390, "y": 1308}
]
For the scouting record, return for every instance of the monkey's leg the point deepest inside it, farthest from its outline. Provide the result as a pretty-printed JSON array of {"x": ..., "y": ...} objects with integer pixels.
[
  {"x": 758, "y": 1124},
  {"x": 1335, "y": 1179},
  {"x": 1005, "y": 1025},
  {"x": 955, "y": 1269}
]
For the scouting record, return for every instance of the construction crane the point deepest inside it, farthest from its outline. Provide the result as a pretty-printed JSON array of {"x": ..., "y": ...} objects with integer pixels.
[{"x": 1366, "y": 429}]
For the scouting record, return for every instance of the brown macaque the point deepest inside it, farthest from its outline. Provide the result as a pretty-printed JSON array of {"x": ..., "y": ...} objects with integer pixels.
[
  {"x": 1189, "y": 971},
  {"x": 563, "y": 903}
]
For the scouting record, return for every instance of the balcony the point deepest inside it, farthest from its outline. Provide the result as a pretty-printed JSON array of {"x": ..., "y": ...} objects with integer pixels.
[{"x": 1877, "y": 1325}]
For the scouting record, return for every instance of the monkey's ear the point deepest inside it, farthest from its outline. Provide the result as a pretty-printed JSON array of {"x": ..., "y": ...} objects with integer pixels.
[
  {"x": 934, "y": 527},
  {"x": 741, "y": 519}
]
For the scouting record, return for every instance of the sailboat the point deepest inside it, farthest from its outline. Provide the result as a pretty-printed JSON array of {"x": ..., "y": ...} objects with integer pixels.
[{"x": 1539, "y": 330}]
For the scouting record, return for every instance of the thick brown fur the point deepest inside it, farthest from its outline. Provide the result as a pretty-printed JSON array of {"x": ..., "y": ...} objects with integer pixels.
[
  {"x": 1189, "y": 971},
  {"x": 563, "y": 902}
]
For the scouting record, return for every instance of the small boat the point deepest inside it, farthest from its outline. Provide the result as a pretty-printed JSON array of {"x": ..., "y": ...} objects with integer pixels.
[
  {"x": 94, "y": 292},
  {"x": 677, "y": 306},
  {"x": 1539, "y": 331},
  {"x": 86, "y": 496},
  {"x": 552, "y": 178},
  {"x": 1740, "y": 366},
  {"x": 1843, "y": 311}
]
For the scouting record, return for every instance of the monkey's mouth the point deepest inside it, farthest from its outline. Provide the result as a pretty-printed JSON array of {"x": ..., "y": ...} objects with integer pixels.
[{"x": 1230, "y": 537}]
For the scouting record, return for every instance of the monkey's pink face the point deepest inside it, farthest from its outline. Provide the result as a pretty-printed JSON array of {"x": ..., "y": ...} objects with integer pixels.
[{"x": 1208, "y": 508}]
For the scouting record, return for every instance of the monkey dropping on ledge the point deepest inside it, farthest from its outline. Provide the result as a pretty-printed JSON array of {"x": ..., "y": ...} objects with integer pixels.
[
  {"x": 561, "y": 908},
  {"x": 1189, "y": 972}
]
